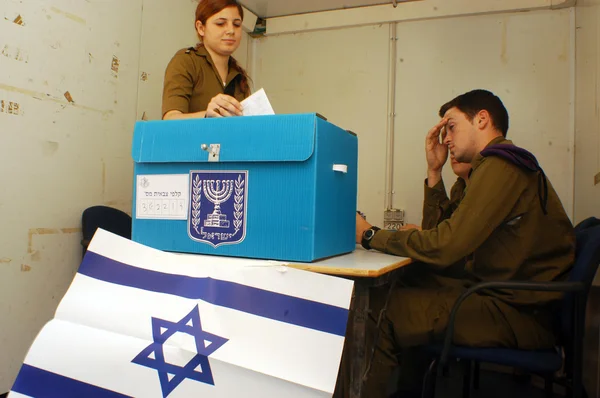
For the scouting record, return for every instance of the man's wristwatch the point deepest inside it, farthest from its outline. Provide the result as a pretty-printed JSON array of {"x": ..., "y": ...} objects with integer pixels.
[{"x": 367, "y": 236}]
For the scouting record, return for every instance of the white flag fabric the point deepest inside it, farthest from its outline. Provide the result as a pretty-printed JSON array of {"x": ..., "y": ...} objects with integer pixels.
[{"x": 139, "y": 322}]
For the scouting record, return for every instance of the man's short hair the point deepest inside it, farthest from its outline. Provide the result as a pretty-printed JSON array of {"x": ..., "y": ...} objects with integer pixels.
[{"x": 477, "y": 100}]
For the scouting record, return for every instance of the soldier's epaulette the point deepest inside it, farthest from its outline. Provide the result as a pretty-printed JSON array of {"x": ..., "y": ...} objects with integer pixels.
[{"x": 189, "y": 50}]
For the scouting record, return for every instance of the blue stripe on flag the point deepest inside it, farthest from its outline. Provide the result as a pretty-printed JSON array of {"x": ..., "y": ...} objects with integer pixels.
[
  {"x": 263, "y": 303},
  {"x": 40, "y": 383}
]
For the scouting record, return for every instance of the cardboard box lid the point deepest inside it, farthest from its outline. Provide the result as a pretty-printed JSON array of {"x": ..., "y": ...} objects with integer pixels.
[{"x": 274, "y": 138}]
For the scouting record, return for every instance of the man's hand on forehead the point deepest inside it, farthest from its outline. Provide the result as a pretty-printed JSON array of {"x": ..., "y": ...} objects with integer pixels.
[{"x": 437, "y": 130}]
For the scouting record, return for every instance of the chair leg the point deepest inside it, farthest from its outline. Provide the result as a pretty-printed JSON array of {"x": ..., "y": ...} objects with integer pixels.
[
  {"x": 446, "y": 371},
  {"x": 549, "y": 386},
  {"x": 577, "y": 361},
  {"x": 467, "y": 379},
  {"x": 476, "y": 371},
  {"x": 428, "y": 390}
]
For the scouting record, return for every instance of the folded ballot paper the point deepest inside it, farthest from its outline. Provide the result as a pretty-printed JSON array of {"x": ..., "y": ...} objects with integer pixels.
[
  {"x": 138, "y": 322},
  {"x": 257, "y": 104}
]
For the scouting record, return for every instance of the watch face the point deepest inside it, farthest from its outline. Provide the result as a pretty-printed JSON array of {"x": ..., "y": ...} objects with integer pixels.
[{"x": 369, "y": 234}]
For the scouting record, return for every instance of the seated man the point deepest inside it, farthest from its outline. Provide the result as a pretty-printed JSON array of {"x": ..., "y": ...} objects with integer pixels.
[
  {"x": 510, "y": 225},
  {"x": 437, "y": 207}
]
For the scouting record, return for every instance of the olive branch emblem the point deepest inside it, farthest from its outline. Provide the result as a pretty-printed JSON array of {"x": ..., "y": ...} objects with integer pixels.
[
  {"x": 196, "y": 196},
  {"x": 238, "y": 205}
]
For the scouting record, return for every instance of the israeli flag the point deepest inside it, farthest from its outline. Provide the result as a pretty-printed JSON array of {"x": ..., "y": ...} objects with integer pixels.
[{"x": 138, "y": 322}]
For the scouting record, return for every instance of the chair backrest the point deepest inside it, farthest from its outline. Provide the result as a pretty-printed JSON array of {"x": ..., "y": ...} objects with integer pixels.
[
  {"x": 107, "y": 218},
  {"x": 587, "y": 260}
]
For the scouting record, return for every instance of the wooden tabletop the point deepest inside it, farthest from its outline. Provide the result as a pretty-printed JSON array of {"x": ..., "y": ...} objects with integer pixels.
[{"x": 359, "y": 263}]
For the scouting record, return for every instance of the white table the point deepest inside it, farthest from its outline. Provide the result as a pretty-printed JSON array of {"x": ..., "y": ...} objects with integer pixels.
[{"x": 359, "y": 263}]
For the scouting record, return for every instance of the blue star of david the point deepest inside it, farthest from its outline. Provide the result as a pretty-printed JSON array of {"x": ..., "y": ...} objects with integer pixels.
[{"x": 206, "y": 344}]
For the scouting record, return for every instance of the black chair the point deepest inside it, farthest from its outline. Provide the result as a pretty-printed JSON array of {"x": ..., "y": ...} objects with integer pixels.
[
  {"x": 107, "y": 218},
  {"x": 571, "y": 321}
]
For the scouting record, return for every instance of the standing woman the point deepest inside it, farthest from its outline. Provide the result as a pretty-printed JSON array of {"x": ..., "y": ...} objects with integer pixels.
[{"x": 206, "y": 81}]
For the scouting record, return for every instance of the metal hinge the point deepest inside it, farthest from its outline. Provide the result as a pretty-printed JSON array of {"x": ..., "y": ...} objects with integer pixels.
[{"x": 213, "y": 150}]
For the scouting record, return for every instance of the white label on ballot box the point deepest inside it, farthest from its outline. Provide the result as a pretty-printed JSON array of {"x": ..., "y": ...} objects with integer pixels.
[{"x": 162, "y": 197}]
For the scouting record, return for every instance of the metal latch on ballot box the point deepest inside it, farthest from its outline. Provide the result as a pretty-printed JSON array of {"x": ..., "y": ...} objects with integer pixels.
[{"x": 213, "y": 151}]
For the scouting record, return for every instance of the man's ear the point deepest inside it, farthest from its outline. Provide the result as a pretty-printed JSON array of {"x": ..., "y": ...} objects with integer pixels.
[
  {"x": 482, "y": 119},
  {"x": 200, "y": 29}
]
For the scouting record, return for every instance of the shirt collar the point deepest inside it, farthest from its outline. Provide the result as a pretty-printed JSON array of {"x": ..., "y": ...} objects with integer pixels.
[
  {"x": 479, "y": 158},
  {"x": 201, "y": 51}
]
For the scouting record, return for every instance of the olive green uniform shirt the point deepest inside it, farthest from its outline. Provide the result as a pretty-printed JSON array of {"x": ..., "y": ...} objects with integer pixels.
[
  {"x": 437, "y": 207},
  {"x": 192, "y": 80},
  {"x": 500, "y": 231}
]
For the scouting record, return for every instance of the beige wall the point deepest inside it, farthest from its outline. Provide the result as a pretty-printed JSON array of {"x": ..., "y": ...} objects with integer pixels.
[
  {"x": 58, "y": 157},
  {"x": 587, "y": 138},
  {"x": 526, "y": 58},
  {"x": 341, "y": 74},
  {"x": 587, "y": 154}
]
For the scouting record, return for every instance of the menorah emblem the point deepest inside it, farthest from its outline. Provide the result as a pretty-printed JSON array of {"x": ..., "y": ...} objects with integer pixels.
[
  {"x": 218, "y": 206},
  {"x": 217, "y": 191}
]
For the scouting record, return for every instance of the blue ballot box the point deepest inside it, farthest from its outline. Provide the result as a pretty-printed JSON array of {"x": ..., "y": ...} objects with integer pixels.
[{"x": 279, "y": 187}]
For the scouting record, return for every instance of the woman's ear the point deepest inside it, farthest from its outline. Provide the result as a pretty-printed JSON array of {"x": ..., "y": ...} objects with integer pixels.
[{"x": 200, "y": 29}]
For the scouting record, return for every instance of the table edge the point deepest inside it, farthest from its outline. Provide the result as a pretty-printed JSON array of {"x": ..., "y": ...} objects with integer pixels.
[{"x": 339, "y": 271}]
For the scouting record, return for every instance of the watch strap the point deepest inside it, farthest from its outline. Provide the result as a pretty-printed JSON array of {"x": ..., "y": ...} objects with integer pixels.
[{"x": 366, "y": 242}]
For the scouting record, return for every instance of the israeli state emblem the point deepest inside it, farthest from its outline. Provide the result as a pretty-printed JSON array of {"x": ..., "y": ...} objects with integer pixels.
[{"x": 218, "y": 207}]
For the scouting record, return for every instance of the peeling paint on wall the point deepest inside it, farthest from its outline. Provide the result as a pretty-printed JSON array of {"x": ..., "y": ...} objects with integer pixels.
[
  {"x": 47, "y": 231},
  {"x": 15, "y": 53},
  {"x": 69, "y": 97},
  {"x": 115, "y": 65},
  {"x": 68, "y": 15},
  {"x": 5, "y": 260},
  {"x": 144, "y": 76},
  {"x": 13, "y": 108},
  {"x": 19, "y": 20},
  {"x": 42, "y": 96},
  {"x": 70, "y": 230},
  {"x": 10, "y": 107},
  {"x": 25, "y": 268}
]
